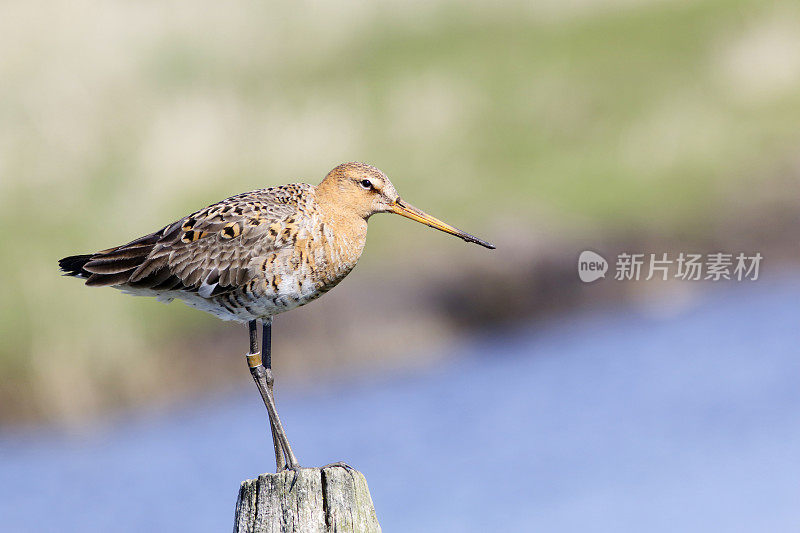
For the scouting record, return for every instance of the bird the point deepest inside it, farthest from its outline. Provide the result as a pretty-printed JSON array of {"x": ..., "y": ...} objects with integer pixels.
[{"x": 255, "y": 255}]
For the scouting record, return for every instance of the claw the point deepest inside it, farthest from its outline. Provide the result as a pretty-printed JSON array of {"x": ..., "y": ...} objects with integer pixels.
[
  {"x": 294, "y": 469},
  {"x": 340, "y": 464}
]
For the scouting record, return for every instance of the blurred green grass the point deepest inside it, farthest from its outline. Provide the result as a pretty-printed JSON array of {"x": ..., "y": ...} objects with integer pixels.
[{"x": 117, "y": 120}]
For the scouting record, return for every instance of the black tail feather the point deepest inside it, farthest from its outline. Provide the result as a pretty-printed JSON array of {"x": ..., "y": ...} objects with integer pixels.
[
  {"x": 73, "y": 265},
  {"x": 115, "y": 266},
  {"x": 111, "y": 267}
]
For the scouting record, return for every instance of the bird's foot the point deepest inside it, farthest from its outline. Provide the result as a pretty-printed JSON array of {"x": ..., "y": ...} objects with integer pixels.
[
  {"x": 294, "y": 468},
  {"x": 340, "y": 464}
]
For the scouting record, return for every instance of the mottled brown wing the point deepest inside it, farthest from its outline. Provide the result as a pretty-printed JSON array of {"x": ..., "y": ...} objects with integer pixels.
[{"x": 209, "y": 251}]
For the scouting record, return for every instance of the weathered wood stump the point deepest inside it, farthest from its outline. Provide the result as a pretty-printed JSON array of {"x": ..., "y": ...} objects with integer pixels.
[{"x": 324, "y": 500}]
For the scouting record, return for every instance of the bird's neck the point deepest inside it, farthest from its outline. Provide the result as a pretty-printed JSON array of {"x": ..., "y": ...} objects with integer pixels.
[{"x": 347, "y": 228}]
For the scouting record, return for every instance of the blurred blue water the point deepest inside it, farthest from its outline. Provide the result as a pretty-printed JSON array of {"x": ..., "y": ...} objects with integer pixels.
[{"x": 608, "y": 422}]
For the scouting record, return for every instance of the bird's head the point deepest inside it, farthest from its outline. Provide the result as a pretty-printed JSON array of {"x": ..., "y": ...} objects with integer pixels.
[{"x": 365, "y": 190}]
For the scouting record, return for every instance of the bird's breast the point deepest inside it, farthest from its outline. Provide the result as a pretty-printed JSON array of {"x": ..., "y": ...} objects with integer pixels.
[
  {"x": 318, "y": 258},
  {"x": 330, "y": 253}
]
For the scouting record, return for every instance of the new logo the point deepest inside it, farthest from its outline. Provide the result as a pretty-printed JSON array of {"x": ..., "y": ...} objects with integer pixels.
[{"x": 591, "y": 266}]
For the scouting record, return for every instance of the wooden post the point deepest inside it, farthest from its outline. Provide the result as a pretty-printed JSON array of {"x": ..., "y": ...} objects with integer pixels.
[{"x": 324, "y": 500}]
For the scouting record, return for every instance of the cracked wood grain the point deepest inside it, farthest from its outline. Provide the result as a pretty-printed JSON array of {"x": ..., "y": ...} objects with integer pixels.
[{"x": 331, "y": 499}]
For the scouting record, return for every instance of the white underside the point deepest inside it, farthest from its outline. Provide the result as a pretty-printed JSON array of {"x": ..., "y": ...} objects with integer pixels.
[{"x": 260, "y": 308}]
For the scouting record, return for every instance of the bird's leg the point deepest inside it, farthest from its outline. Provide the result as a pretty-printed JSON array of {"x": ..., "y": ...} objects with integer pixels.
[
  {"x": 266, "y": 354},
  {"x": 262, "y": 375},
  {"x": 253, "y": 361},
  {"x": 290, "y": 459}
]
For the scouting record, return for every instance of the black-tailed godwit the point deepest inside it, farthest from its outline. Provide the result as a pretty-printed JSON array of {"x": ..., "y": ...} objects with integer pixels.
[{"x": 255, "y": 255}]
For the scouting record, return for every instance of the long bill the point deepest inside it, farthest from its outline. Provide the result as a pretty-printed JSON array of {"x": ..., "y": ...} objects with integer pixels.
[{"x": 409, "y": 211}]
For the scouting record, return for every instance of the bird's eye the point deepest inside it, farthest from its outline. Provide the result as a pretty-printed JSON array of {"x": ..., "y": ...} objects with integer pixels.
[{"x": 366, "y": 184}]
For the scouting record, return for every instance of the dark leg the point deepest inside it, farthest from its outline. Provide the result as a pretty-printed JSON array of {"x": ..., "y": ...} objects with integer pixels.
[
  {"x": 262, "y": 375},
  {"x": 254, "y": 358},
  {"x": 266, "y": 354}
]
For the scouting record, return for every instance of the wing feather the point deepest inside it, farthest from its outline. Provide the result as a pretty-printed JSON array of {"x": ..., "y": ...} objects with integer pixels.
[{"x": 211, "y": 251}]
